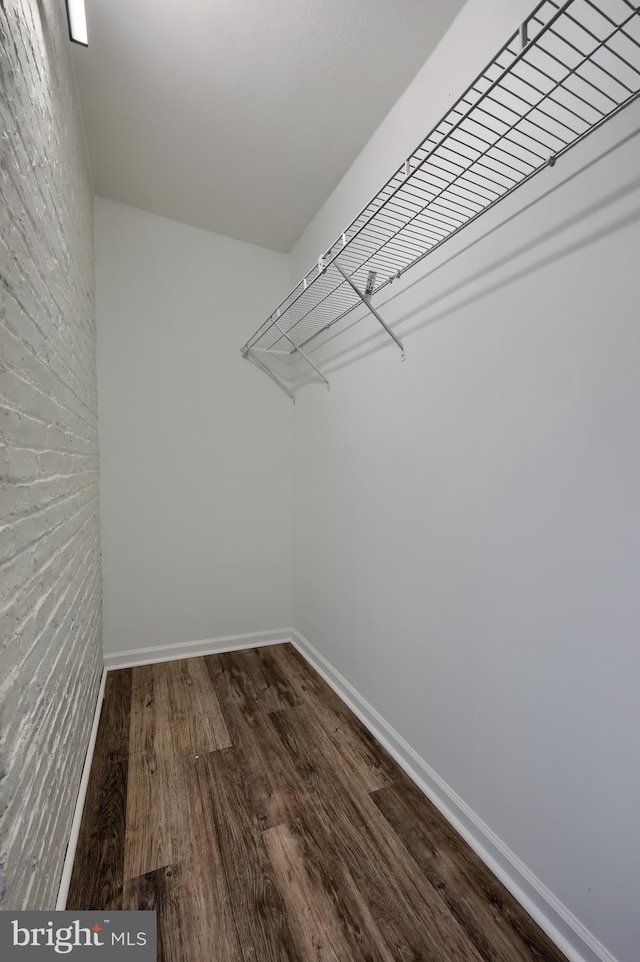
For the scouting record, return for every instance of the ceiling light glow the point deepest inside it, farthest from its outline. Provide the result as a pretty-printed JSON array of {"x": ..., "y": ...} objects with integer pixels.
[{"x": 77, "y": 17}]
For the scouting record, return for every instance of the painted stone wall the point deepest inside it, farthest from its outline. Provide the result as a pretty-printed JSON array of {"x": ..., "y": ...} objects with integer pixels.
[{"x": 50, "y": 582}]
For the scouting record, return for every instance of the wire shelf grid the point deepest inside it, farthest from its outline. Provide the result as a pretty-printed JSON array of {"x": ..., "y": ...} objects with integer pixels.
[{"x": 570, "y": 67}]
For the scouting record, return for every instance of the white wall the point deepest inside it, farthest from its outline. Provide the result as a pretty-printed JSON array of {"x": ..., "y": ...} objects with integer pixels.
[
  {"x": 467, "y": 524},
  {"x": 50, "y": 590},
  {"x": 195, "y": 442}
]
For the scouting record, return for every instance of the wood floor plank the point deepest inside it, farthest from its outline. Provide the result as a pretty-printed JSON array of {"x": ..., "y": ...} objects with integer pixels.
[
  {"x": 275, "y": 691},
  {"x": 195, "y": 701},
  {"x": 176, "y": 710},
  {"x": 317, "y": 930},
  {"x": 299, "y": 673},
  {"x": 205, "y": 927},
  {"x": 488, "y": 913},
  {"x": 162, "y": 892},
  {"x": 319, "y": 891},
  {"x": 274, "y": 788},
  {"x": 244, "y": 720},
  {"x": 194, "y": 921},
  {"x": 414, "y": 923},
  {"x": 259, "y": 911},
  {"x": 143, "y": 710},
  {"x": 157, "y": 813},
  {"x": 97, "y": 876},
  {"x": 360, "y": 751}
]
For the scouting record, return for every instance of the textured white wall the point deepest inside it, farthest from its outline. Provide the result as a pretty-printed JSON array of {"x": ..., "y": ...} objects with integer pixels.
[
  {"x": 195, "y": 446},
  {"x": 50, "y": 592},
  {"x": 467, "y": 524}
]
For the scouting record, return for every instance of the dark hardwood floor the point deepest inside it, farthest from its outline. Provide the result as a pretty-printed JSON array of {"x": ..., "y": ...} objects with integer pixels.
[{"x": 239, "y": 797}]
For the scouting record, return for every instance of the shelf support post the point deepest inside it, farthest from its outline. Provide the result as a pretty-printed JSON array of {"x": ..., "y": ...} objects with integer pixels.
[
  {"x": 263, "y": 367},
  {"x": 366, "y": 301},
  {"x": 299, "y": 350}
]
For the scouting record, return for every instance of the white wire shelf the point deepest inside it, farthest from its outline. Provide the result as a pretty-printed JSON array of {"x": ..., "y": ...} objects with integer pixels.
[{"x": 569, "y": 68}]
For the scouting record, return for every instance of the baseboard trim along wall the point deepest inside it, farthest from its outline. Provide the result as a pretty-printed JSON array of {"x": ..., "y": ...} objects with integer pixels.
[
  {"x": 194, "y": 649},
  {"x": 69, "y": 858},
  {"x": 568, "y": 933}
]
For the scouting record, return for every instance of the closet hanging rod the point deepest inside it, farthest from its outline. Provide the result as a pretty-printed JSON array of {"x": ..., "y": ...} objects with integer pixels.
[{"x": 569, "y": 68}]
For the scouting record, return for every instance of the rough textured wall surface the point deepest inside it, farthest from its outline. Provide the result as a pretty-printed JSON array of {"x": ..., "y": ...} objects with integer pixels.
[{"x": 50, "y": 582}]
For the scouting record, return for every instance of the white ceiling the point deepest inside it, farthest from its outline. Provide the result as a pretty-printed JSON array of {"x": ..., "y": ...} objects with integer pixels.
[{"x": 241, "y": 116}]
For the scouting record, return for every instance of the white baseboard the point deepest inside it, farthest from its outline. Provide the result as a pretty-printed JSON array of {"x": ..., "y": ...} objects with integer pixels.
[
  {"x": 67, "y": 868},
  {"x": 568, "y": 933},
  {"x": 194, "y": 649}
]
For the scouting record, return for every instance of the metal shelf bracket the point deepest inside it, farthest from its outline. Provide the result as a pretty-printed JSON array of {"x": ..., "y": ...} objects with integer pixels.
[
  {"x": 366, "y": 301},
  {"x": 263, "y": 367},
  {"x": 298, "y": 350}
]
